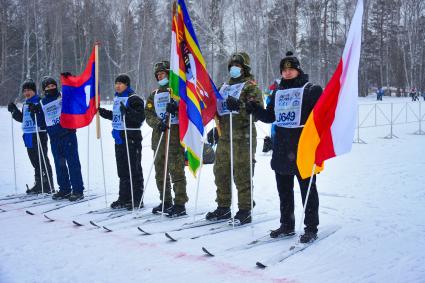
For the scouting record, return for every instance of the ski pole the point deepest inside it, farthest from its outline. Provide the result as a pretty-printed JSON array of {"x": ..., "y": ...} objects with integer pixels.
[
  {"x": 129, "y": 163},
  {"x": 167, "y": 145}
]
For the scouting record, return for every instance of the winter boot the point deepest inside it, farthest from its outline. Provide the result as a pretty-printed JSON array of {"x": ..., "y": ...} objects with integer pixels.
[
  {"x": 136, "y": 205},
  {"x": 36, "y": 189},
  {"x": 308, "y": 237},
  {"x": 177, "y": 211},
  {"x": 282, "y": 231},
  {"x": 61, "y": 195},
  {"x": 242, "y": 217},
  {"x": 220, "y": 213},
  {"x": 76, "y": 196},
  {"x": 158, "y": 209},
  {"x": 120, "y": 203}
]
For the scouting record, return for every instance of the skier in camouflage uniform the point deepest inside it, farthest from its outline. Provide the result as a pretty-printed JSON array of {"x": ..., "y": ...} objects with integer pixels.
[
  {"x": 240, "y": 89},
  {"x": 158, "y": 107}
]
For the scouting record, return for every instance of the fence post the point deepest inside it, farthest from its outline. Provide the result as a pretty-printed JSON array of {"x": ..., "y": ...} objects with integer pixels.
[
  {"x": 420, "y": 132},
  {"x": 359, "y": 140},
  {"x": 391, "y": 135}
]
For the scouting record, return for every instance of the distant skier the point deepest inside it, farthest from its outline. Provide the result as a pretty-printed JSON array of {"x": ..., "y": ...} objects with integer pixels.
[
  {"x": 63, "y": 142},
  {"x": 29, "y": 90},
  {"x": 127, "y": 103},
  {"x": 291, "y": 105},
  {"x": 379, "y": 93}
]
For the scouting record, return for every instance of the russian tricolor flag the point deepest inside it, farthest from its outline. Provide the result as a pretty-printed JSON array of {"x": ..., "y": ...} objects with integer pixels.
[{"x": 78, "y": 97}]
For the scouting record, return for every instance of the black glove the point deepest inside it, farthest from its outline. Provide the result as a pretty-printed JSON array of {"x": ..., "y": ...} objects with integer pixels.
[
  {"x": 251, "y": 107},
  {"x": 11, "y": 107},
  {"x": 123, "y": 109},
  {"x": 103, "y": 112},
  {"x": 34, "y": 108},
  {"x": 233, "y": 104},
  {"x": 162, "y": 126},
  {"x": 66, "y": 74},
  {"x": 172, "y": 107},
  {"x": 212, "y": 136}
]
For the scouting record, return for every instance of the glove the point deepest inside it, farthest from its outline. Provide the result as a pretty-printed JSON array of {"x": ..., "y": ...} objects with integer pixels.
[
  {"x": 11, "y": 107},
  {"x": 212, "y": 136},
  {"x": 162, "y": 126},
  {"x": 172, "y": 107},
  {"x": 103, "y": 112},
  {"x": 34, "y": 108},
  {"x": 251, "y": 107},
  {"x": 123, "y": 109},
  {"x": 233, "y": 104},
  {"x": 66, "y": 74}
]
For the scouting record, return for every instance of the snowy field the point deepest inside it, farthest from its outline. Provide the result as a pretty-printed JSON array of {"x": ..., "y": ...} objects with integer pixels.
[{"x": 375, "y": 194}]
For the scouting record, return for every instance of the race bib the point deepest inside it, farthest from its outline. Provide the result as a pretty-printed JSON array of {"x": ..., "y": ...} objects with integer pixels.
[
  {"x": 52, "y": 112},
  {"x": 28, "y": 124},
  {"x": 226, "y": 91},
  {"x": 287, "y": 107},
  {"x": 160, "y": 101},
  {"x": 117, "y": 123}
]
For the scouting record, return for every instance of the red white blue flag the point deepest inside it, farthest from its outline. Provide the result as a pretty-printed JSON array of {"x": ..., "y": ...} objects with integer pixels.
[{"x": 78, "y": 97}]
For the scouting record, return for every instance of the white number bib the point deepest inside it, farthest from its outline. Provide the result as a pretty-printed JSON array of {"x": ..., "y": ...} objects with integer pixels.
[
  {"x": 287, "y": 107},
  {"x": 28, "y": 125},
  {"x": 226, "y": 91},
  {"x": 160, "y": 101},
  {"x": 117, "y": 123},
  {"x": 52, "y": 112}
]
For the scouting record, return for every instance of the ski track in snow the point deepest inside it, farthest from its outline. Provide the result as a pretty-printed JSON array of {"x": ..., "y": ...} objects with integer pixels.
[{"x": 376, "y": 194}]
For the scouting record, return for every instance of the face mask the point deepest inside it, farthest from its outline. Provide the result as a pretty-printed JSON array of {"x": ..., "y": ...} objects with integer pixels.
[
  {"x": 51, "y": 92},
  {"x": 163, "y": 82},
  {"x": 235, "y": 72}
]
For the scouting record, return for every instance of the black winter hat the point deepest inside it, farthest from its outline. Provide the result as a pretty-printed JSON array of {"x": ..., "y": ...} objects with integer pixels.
[
  {"x": 123, "y": 78},
  {"x": 290, "y": 61},
  {"x": 48, "y": 81},
  {"x": 29, "y": 84}
]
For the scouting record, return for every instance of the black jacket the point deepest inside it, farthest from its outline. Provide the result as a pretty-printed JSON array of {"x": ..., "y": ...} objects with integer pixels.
[{"x": 285, "y": 143}]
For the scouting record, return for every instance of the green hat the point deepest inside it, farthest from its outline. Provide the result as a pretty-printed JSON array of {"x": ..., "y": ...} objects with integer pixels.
[
  {"x": 241, "y": 58},
  {"x": 163, "y": 66}
]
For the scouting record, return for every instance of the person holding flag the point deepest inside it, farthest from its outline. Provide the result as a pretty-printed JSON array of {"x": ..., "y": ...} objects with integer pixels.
[
  {"x": 159, "y": 108},
  {"x": 40, "y": 162},
  {"x": 290, "y": 105},
  {"x": 240, "y": 89},
  {"x": 63, "y": 142},
  {"x": 127, "y": 117}
]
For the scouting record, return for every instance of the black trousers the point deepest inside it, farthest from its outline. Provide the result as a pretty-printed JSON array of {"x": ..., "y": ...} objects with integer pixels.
[
  {"x": 285, "y": 187},
  {"x": 33, "y": 156},
  {"x": 135, "y": 151}
]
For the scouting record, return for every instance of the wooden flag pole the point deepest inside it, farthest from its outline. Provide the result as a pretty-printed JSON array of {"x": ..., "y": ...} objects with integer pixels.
[{"x": 96, "y": 51}]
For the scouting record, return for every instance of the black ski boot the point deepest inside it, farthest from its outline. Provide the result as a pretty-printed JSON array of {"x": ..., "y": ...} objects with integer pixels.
[
  {"x": 36, "y": 189},
  {"x": 61, "y": 195},
  {"x": 308, "y": 237},
  {"x": 221, "y": 213},
  {"x": 76, "y": 196},
  {"x": 282, "y": 231},
  {"x": 242, "y": 217},
  {"x": 177, "y": 211},
  {"x": 158, "y": 209},
  {"x": 120, "y": 203}
]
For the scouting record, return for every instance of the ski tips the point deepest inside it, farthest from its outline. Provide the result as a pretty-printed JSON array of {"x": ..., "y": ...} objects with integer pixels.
[
  {"x": 207, "y": 252},
  {"x": 143, "y": 231},
  {"x": 260, "y": 265},
  {"x": 29, "y": 212},
  {"x": 48, "y": 218},
  {"x": 106, "y": 229},
  {"x": 94, "y": 224},
  {"x": 77, "y": 223},
  {"x": 170, "y": 237}
]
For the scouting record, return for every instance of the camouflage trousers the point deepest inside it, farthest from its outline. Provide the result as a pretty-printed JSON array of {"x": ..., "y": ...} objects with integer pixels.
[
  {"x": 241, "y": 174},
  {"x": 176, "y": 174}
]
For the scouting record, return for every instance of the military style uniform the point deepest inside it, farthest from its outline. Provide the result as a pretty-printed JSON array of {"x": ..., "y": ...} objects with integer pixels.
[{"x": 155, "y": 115}]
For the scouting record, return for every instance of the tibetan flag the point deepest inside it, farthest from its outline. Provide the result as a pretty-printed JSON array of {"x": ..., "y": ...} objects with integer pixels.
[
  {"x": 329, "y": 130},
  {"x": 192, "y": 85},
  {"x": 78, "y": 97}
]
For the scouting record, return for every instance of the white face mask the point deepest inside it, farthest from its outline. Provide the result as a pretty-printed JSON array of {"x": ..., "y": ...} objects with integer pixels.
[
  {"x": 163, "y": 82},
  {"x": 235, "y": 72}
]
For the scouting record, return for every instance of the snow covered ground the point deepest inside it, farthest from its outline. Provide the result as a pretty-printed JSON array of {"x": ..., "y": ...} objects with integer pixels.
[{"x": 376, "y": 194}]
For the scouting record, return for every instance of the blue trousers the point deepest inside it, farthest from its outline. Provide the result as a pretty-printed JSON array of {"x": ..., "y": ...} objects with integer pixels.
[{"x": 67, "y": 163}]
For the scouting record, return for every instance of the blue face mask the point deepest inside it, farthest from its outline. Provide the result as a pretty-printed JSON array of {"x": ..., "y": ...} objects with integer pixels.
[
  {"x": 163, "y": 82},
  {"x": 235, "y": 72}
]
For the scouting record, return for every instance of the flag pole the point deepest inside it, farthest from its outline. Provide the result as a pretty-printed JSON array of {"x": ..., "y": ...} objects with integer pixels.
[
  {"x": 96, "y": 69},
  {"x": 306, "y": 197},
  {"x": 199, "y": 180}
]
